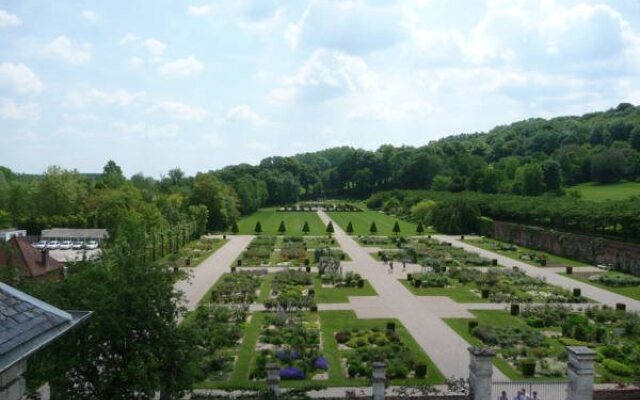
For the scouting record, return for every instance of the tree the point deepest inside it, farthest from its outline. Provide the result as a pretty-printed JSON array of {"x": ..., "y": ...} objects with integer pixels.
[
  {"x": 396, "y": 228},
  {"x": 258, "y": 228},
  {"x": 234, "y": 227},
  {"x": 112, "y": 176},
  {"x": 529, "y": 180},
  {"x": 607, "y": 166},
  {"x": 456, "y": 217},
  {"x": 282, "y": 229},
  {"x": 220, "y": 200},
  {"x": 350, "y": 228},
  {"x": 421, "y": 211},
  {"x": 131, "y": 346},
  {"x": 373, "y": 228},
  {"x": 441, "y": 183},
  {"x": 420, "y": 228},
  {"x": 551, "y": 176},
  {"x": 330, "y": 229},
  {"x": 305, "y": 228}
]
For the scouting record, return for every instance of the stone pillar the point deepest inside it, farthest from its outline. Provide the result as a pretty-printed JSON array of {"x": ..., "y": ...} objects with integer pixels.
[
  {"x": 273, "y": 378},
  {"x": 12, "y": 385},
  {"x": 581, "y": 373},
  {"x": 480, "y": 372},
  {"x": 379, "y": 380}
]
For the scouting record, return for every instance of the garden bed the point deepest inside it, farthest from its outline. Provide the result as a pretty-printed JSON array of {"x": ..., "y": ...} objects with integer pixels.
[
  {"x": 532, "y": 344},
  {"x": 533, "y": 257},
  {"x": 616, "y": 282}
]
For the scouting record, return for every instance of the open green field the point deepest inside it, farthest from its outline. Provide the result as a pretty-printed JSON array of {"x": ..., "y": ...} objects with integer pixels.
[
  {"x": 361, "y": 222},
  {"x": 617, "y": 191},
  {"x": 270, "y": 221}
]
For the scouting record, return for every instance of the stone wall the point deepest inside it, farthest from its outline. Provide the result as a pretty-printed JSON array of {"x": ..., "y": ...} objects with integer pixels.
[{"x": 588, "y": 249}]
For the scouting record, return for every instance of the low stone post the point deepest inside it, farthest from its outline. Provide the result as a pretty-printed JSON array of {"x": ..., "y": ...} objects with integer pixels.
[
  {"x": 581, "y": 373},
  {"x": 379, "y": 380},
  {"x": 273, "y": 379},
  {"x": 480, "y": 372}
]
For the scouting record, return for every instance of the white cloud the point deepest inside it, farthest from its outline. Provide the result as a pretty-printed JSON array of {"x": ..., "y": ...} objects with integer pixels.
[
  {"x": 26, "y": 112},
  {"x": 62, "y": 48},
  {"x": 155, "y": 47},
  {"x": 21, "y": 78},
  {"x": 8, "y": 19},
  {"x": 90, "y": 16},
  {"x": 143, "y": 130},
  {"x": 182, "y": 67},
  {"x": 129, "y": 38},
  {"x": 326, "y": 75},
  {"x": 350, "y": 26},
  {"x": 246, "y": 114},
  {"x": 122, "y": 98},
  {"x": 136, "y": 62},
  {"x": 181, "y": 111},
  {"x": 201, "y": 10}
]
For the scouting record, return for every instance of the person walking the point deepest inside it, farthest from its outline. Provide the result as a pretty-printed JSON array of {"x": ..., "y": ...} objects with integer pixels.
[
  {"x": 404, "y": 265},
  {"x": 534, "y": 396},
  {"x": 503, "y": 396},
  {"x": 391, "y": 267}
]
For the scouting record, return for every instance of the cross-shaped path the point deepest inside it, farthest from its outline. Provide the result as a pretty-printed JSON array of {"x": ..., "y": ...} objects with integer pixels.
[{"x": 441, "y": 343}]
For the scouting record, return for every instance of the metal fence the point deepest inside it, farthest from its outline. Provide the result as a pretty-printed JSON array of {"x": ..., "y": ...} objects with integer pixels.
[{"x": 555, "y": 390}]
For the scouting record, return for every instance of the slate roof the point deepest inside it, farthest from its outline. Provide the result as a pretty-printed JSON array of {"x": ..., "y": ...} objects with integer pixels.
[
  {"x": 22, "y": 254},
  {"x": 27, "y": 324}
]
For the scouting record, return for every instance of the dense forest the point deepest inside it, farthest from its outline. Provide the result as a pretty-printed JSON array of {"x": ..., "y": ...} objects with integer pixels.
[{"x": 527, "y": 158}]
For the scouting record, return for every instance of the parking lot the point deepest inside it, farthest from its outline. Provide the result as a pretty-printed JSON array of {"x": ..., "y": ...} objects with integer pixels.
[{"x": 74, "y": 255}]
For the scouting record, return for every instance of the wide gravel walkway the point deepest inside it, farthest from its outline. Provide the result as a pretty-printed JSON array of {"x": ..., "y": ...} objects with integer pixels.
[
  {"x": 590, "y": 291},
  {"x": 443, "y": 345},
  {"x": 210, "y": 270}
]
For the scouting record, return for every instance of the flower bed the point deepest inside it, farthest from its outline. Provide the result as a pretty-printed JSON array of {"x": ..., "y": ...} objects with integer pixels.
[
  {"x": 291, "y": 290},
  {"x": 291, "y": 341},
  {"x": 258, "y": 252},
  {"x": 239, "y": 288},
  {"x": 364, "y": 346},
  {"x": 217, "y": 332}
]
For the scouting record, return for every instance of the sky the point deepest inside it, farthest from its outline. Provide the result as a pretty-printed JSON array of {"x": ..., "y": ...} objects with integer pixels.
[{"x": 160, "y": 84}]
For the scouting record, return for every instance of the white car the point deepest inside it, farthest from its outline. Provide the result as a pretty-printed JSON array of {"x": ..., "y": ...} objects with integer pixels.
[
  {"x": 53, "y": 245},
  {"x": 78, "y": 245},
  {"x": 91, "y": 245},
  {"x": 40, "y": 245},
  {"x": 65, "y": 245}
]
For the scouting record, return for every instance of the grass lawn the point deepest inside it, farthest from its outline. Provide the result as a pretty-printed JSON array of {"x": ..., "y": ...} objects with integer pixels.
[
  {"x": 332, "y": 321},
  {"x": 617, "y": 191},
  {"x": 459, "y": 294},
  {"x": 361, "y": 222},
  {"x": 340, "y": 294},
  {"x": 270, "y": 221},
  {"x": 552, "y": 260},
  {"x": 631, "y": 291},
  {"x": 497, "y": 319}
]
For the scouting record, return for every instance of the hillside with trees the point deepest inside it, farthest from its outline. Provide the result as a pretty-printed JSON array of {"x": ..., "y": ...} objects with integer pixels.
[{"x": 528, "y": 158}]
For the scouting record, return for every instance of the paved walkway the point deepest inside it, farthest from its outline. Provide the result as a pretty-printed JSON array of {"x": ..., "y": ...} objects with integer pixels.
[
  {"x": 592, "y": 292},
  {"x": 443, "y": 345},
  {"x": 210, "y": 270}
]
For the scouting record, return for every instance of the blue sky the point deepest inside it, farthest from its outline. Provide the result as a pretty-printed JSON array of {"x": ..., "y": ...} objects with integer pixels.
[{"x": 199, "y": 85}]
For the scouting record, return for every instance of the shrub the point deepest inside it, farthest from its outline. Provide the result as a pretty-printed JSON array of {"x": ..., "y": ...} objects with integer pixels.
[
  {"x": 420, "y": 370},
  {"x": 391, "y": 326},
  {"x": 515, "y": 309},
  {"x": 577, "y": 292},
  {"x": 360, "y": 283},
  {"x": 617, "y": 368},
  {"x": 342, "y": 337},
  {"x": 321, "y": 363},
  {"x": 472, "y": 324},
  {"x": 528, "y": 367},
  {"x": 291, "y": 373}
]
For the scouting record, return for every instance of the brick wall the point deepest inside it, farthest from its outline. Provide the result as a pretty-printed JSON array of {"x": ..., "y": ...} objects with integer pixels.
[{"x": 588, "y": 249}]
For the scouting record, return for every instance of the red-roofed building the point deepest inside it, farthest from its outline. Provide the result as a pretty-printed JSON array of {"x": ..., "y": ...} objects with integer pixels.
[{"x": 31, "y": 263}]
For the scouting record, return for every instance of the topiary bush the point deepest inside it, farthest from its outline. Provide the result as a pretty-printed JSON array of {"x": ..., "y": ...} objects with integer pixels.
[
  {"x": 420, "y": 370},
  {"x": 528, "y": 367}
]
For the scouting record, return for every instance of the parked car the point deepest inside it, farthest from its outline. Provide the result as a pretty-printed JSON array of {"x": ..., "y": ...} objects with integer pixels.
[
  {"x": 65, "y": 245},
  {"x": 40, "y": 245},
  {"x": 53, "y": 245},
  {"x": 91, "y": 245},
  {"x": 77, "y": 245}
]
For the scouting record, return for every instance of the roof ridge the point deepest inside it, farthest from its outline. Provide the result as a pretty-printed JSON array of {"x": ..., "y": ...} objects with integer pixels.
[{"x": 35, "y": 302}]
